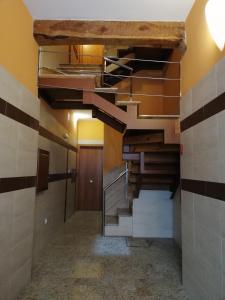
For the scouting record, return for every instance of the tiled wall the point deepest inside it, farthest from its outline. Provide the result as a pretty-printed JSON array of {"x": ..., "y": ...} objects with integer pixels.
[
  {"x": 23, "y": 232},
  {"x": 50, "y": 204},
  {"x": 18, "y": 158},
  {"x": 177, "y": 217},
  {"x": 203, "y": 194}
]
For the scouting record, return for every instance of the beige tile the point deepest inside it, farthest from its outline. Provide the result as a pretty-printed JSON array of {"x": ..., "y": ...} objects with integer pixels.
[
  {"x": 20, "y": 279},
  {"x": 30, "y": 103},
  {"x": 26, "y": 160},
  {"x": 4, "y": 267},
  {"x": 18, "y": 95},
  {"x": 220, "y": 76},
  {"x": 208, "y": 245},
  {"x": 21, "y": 253},
  {"x": 22, "y": 227},
  {"x": 5, "y": 290},
  {"x": 23, "y": 202},
  {"x": 188, "y": 231},
  {"x": 221, "y": 121},
  {"x": 44, "y": 143},
  {"x": 207, "y": 213},
  {"x": 204, "y": 91},
  {"x": 186, "y": 105},
  {"x": 6, "y": 200},
  {"x": 187, "y": 203}
]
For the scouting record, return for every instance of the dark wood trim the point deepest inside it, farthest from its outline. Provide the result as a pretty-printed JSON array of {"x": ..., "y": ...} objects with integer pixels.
[
  {"x": 210, "y": 189},
  {"x": 59, "y": 176},
  {"x": 16, "y": 183},
  {"x": 52, "y": 137},
  {"x": 210, "y": 109},
  {"x": 18, "y": 115}
]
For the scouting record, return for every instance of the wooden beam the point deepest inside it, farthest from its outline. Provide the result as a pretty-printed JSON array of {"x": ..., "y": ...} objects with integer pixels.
[{"x": 133, "y": 33}]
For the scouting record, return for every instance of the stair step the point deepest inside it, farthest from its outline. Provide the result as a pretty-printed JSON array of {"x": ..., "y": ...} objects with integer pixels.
[
  {"x": 131, "y": 102},
  {"x": 152, "y": 158},
  {"x": 145, "y": 179},
  {"x": 157, "y": 137},
  {"x": 157, "y": 148},
  {"x": 106, "y": 90},
  {"x": 155, "y": 171},
  {"x": 111, "y": 220},
  {"x": 155, "y": 186},
  {"x": 124, "y": 212}
]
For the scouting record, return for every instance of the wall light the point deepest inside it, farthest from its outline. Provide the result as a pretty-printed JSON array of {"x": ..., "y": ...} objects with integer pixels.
[
  {"x": 215, "y": 17},
  {"x": 81, "y": 115}
]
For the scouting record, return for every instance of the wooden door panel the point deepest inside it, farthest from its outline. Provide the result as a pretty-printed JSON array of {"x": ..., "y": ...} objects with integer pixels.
[{"x": 90, "y": 178}]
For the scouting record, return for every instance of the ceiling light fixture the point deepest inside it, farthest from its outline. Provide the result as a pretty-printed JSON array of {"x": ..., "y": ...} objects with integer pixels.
[{"x": 215, "y": 17}]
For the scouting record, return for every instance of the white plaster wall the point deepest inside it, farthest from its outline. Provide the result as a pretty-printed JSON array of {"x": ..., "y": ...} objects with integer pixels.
[{"x": 153, "y": 215}]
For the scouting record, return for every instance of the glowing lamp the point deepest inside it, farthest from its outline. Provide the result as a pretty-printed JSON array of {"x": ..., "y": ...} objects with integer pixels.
[{"x": 215, "y": 17}]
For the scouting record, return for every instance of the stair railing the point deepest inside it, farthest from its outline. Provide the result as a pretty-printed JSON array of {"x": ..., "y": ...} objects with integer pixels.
[
  {"x": 105, "y": 190},
  {"x": 117, "y": 63}
]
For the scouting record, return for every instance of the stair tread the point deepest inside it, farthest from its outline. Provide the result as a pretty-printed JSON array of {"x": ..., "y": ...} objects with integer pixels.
[
  {"x": 128, "y": 102},
  {"x": 106, "y": 89},
  {"x": 111, "y": 220},
  {"x": 124, "y": 211}
]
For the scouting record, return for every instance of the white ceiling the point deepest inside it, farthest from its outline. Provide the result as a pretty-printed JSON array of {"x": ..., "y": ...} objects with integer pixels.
[{"x": 134, "y": 10}]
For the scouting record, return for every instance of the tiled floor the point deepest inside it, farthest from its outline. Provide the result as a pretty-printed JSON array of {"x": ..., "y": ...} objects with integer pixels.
[{"x": 80, "y": 264}]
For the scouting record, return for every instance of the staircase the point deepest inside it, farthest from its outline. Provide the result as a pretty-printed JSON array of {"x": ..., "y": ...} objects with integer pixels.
[{"x": 152, "y": 166}]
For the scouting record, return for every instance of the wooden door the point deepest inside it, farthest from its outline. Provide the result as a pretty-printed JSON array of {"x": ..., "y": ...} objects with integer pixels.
[{"x": 90, "y": 178}]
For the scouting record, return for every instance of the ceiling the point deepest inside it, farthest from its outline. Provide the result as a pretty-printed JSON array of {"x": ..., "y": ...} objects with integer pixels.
[{"x": 133, "y": 10}]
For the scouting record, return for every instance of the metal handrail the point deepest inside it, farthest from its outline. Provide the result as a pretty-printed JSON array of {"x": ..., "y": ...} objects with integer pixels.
[
  {"x": 118, "y": 64},
  {"x": 106, "y": 59},
  {"x": 115, "y": 180},
  {"x": 104, "y": 196}
]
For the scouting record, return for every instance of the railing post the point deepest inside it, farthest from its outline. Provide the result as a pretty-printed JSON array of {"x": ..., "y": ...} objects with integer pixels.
[
  {"x": 131, "y": 85},
  {"x": 103, "y": 213}
]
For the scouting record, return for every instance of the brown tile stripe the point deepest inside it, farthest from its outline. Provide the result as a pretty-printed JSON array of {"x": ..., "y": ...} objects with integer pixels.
[
  {"x": 205, "y": 188},
  {"x": 18, "y": 115},
  {"x": 212, "y": 108},
  {"x": 16, "y": 183},
  {"x": 50, "y": 136},
  {"x": 58, "y": 177}
]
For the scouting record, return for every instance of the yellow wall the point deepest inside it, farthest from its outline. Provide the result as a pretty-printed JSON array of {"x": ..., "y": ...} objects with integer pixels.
[
  {"x": 18, "y": 51},
  {"x": 171, "y": 106},
  {"x": 113, "y": 143},
  {"x": 202, "y": 53},
  {"x": 90, "y": 131}
]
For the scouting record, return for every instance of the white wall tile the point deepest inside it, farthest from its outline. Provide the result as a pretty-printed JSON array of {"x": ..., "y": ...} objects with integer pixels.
[
  {"x": 204, "y": 91},
  {"x": 220, "y": 76},
  {"x": 186, "y": 105}
]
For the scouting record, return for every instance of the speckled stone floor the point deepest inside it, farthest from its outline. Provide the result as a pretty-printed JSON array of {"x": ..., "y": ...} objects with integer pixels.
[{"x": 80, "y": 264}]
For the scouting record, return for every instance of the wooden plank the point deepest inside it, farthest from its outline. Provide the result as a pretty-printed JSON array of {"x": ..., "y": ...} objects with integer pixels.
[
  {"x": 165, "y": 148},
  {"x": 131, "y": 156},
  {"x": 151, "y": 34},
  {"x": 144, "y": 139}
]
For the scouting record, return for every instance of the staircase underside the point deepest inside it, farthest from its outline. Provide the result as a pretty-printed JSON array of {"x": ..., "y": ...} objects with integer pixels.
[{"x": 79, "y": 92}]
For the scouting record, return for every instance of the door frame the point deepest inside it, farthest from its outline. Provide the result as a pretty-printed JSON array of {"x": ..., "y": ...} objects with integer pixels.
[{"x": 78, "y": 169}]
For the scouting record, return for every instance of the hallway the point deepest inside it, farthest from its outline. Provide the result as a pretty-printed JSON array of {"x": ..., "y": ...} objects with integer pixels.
[{"x": 81, "y": 264}]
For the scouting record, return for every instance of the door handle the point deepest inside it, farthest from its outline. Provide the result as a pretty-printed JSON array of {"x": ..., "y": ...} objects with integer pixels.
[{"x": 91, "y": 180}]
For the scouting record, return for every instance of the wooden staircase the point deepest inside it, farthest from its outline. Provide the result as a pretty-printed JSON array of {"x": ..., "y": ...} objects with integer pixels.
[{"x": 152, "y": 164}]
